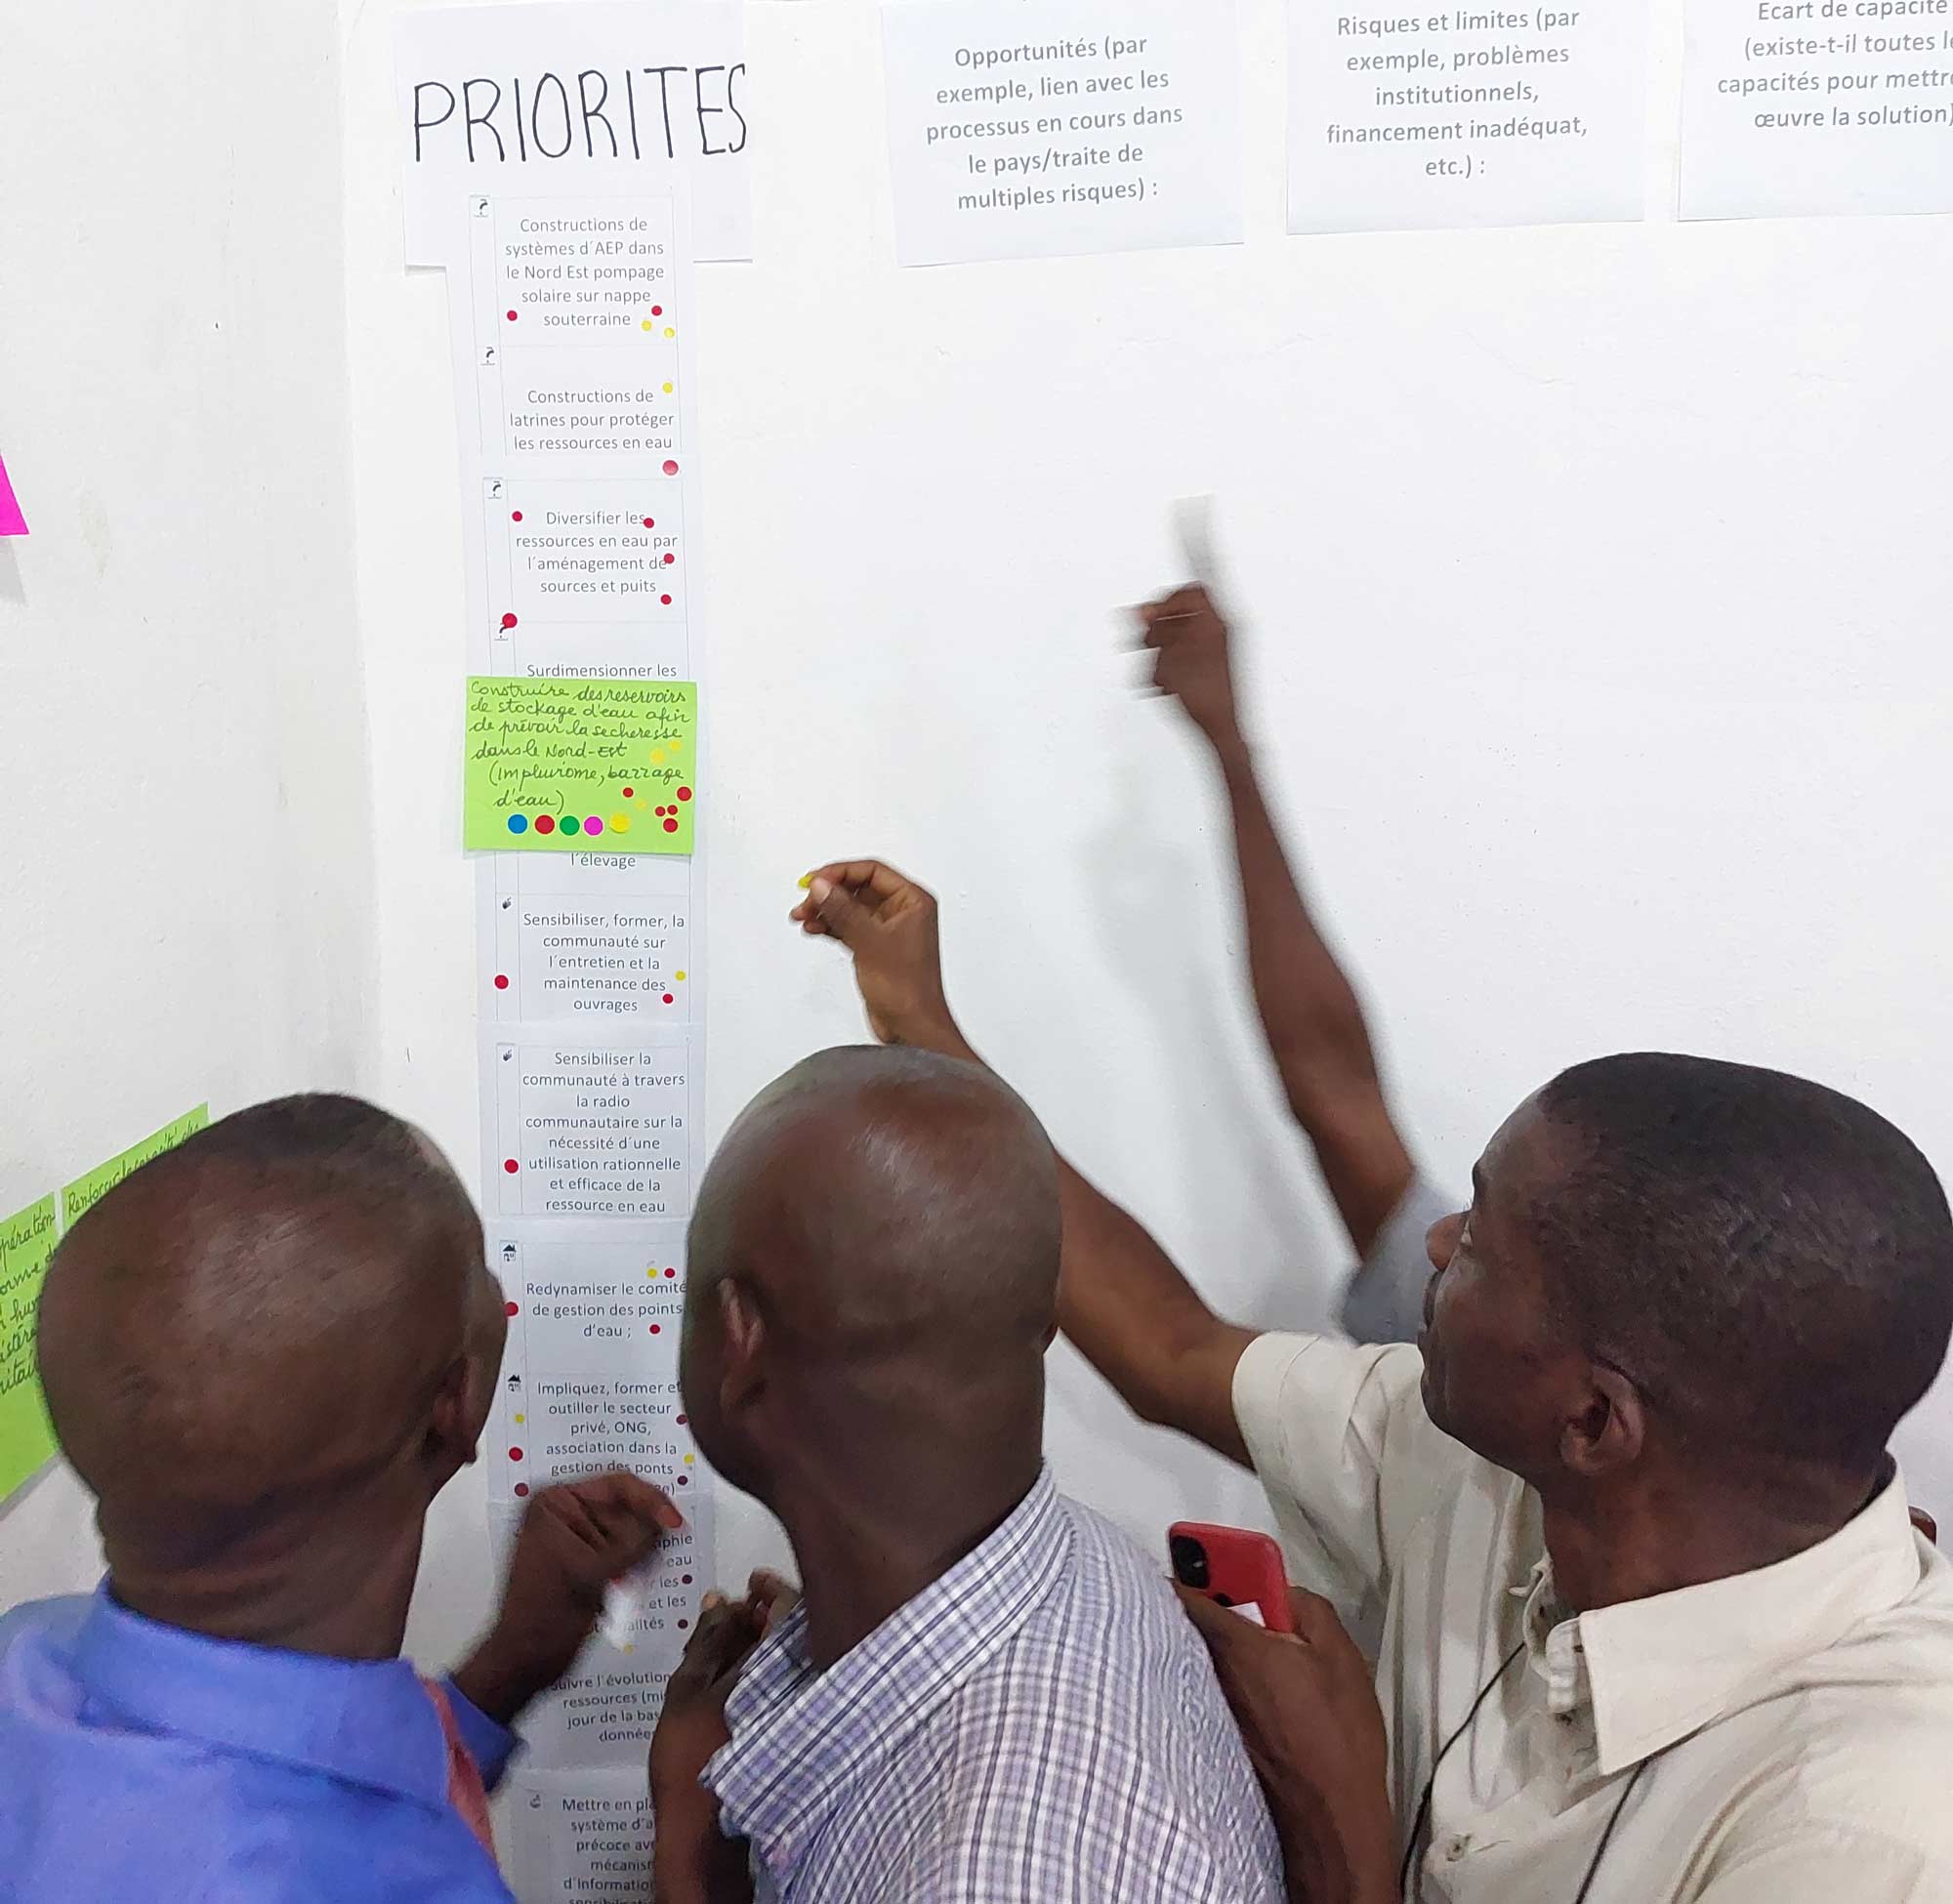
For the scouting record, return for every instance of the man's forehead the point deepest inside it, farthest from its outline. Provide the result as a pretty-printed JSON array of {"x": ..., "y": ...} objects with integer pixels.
[{"x": 1527, "y": 1158}]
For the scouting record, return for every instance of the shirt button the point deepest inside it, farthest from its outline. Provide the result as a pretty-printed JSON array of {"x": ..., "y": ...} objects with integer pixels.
[{"x": 1456, "y": 1847}]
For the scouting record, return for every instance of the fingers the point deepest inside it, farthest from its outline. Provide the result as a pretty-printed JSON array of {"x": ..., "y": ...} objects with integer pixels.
[
  {"x": 618, "y": 1517},
  {"x": 868, "y": 882},
  {"x": 1216, "y": 1622},
  {"x": 773, "y": 1597},
  {"x": 723, "y": 1636},
  {"x": 840, "y": 915}
]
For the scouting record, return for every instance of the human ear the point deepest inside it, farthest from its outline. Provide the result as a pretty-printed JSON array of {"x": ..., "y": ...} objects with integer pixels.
[
  {"x": 1610, "y": 1429},
  {"x": 743, "y": 1332},
  {"x": 459, "y": 1414}
]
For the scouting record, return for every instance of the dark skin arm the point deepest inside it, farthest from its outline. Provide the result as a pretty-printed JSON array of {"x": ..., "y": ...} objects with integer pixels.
[
  {"x": 576, "y": 1537},
  {"x": 695, "y": 1862},
  {"x": 1308, "y": 1010},
  {"x": 1121, "y": 1299},
  {"x": 1312, "y": 1728}
]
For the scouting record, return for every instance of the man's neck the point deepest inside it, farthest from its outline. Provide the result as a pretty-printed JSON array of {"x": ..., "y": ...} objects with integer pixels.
[
  {"x": 1661, "y": 1538},
  {"x": 863, "y": 1552},
  {"x": 338, "y": 1591}
]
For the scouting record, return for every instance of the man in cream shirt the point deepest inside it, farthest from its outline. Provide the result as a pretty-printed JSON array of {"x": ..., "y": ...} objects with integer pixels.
[{"x": 1655, "y": 1625}]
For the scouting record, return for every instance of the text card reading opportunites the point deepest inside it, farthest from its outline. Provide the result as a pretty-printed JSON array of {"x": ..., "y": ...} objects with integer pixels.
[
  {"x": 1410, "y": 117},
  {"x": 551, "y": 764},
  {"x": 27, "y": 1440},
  {"x": 1037, "y": 131},
  {"x": 602, "y": 97},
  {"x": 579, "y": 1128},
  {"x": 1816, "y": 108}
]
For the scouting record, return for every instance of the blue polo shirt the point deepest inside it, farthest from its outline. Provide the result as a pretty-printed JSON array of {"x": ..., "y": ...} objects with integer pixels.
[{"x": 139, "y": 1760}]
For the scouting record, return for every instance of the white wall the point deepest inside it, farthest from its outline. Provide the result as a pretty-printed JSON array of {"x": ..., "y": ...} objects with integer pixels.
[
  {"x": 1595, "y": 582},
  {"x": 188, "y": 889}
]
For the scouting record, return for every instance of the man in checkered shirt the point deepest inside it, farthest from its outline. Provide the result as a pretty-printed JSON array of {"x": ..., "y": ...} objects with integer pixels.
[{"x": 988, "y": 1694}]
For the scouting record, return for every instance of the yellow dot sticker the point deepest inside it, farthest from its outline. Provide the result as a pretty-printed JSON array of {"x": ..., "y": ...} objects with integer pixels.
[
  {"x": 688, "y": 1460},
  {"x": 657, "y": 757},
  {"x": 669, "y": 332},
  {"x": 668, "y": 390},
  {"x": 678, "y": 976},
  {"x": 647, "y": 323},
  {"x": 620, "y": 822},
  {"x": 520, "y": 1419}
]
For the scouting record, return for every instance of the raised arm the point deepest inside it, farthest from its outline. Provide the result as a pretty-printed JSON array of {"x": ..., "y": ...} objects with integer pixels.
[
  {"x": 1130, "y": 1311},
  {"x": 1308, "y": 1010}
]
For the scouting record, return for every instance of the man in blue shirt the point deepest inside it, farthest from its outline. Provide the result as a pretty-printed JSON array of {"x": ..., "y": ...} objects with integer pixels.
[{"x": 266, "y": 1353}]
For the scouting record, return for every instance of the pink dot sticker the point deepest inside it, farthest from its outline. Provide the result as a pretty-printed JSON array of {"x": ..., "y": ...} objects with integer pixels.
[
  {"x": 593, "y": 824},
  {"x": 671, "y": 468}
]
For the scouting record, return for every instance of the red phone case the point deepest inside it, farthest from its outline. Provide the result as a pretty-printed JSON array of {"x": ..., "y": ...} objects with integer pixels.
[{"x": 1243, "y": 1569}]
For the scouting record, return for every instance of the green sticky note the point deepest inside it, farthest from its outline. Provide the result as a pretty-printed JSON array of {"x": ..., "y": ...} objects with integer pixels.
[
  {"x": 85, "y": 1192},
  {"x": 579, "y": 765},
  {"x": 26, "y": 1442}
]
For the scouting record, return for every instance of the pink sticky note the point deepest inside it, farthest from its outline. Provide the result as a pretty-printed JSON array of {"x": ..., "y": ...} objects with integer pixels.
[{"x": 12, "y": 522}]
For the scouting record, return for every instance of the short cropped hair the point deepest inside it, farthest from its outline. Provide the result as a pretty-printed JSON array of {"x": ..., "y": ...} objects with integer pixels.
[{"x": 1769, "y": 1258}]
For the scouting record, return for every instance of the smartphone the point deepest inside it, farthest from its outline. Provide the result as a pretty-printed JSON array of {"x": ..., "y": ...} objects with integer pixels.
[{"x": 1232, "y": 1567}]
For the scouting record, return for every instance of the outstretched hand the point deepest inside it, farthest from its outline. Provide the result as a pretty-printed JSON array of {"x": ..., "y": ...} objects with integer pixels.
[
  {"x": 887, "y": 922},
  {"x": 1309, "y": 1718},
  {"x": 1190, "y": 646}
]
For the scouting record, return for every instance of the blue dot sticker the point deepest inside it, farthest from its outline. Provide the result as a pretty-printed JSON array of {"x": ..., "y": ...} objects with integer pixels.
[{"x": 519, "y": 822}]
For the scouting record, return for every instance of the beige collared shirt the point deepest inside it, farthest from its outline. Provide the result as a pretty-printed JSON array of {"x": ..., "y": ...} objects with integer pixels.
[{"x": 1781, "y": 1737}]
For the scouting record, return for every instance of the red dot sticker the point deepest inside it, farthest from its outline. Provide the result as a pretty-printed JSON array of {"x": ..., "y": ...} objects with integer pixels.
[
  {"x": 515, "y": 516},
  {"x": 682, "y": 1624},
  {"x": 684, "y": 1480},
  {"x": 668, "y": 998},
  {"x": 680, "y": 1421},
  {"x": 648, "y": 524},
  {"x": 515, "y": 1454},
  {"x": 665, "y": 600},
  {"x": 684, "y": 1580},
  {"x": 674, "y": 1272},
  {"x": 501, "y": 981},
  {"x": 510, "y": 1165},
  {"x": 657, "y": 1329},
  {"x": 657, "y": 310},
  {"x": 511, "y": 316},
  {"x": 522, "y": 1488},
  {"x": 512, "y": 1308},
  {"x": 545, "y": 824},
  {"x": 669, "y": 559},
  {"x": 628, "y": 792},
  {"x": 684, "y": 793},
  {"x": 671, "y": 468},
  {"x": 507, "y": 621},
  {"x": 670, "y": 826}
]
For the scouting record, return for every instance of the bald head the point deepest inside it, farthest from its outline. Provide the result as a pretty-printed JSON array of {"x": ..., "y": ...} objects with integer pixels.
[
  {"x": 877, "y": 1236},
  {"x": 259, "y": 1324}
]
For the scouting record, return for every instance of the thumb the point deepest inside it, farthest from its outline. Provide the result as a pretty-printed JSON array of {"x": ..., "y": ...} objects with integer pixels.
[{"x": 839, "y": 911}]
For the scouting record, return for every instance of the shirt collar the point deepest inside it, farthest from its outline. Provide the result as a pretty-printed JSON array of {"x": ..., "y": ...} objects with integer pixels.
[
  {"x": 798, "y": 1738},
  {"x": 1659, "y": 1669},
  {"x": 365, "y": 1722}
]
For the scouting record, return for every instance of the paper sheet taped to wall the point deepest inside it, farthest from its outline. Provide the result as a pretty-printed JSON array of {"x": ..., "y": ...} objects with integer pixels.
[
  {"x": 26, "y": 1442},
  {"x": 85, "y": 1192},
  {"x": 556, "y": 766}
]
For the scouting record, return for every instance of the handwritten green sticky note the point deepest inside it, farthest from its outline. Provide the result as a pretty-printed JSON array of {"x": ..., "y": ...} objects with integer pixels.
[
  {"x": 85, "y": 1192},
  {"x": 26, "y": 1442},
  {"x": 579, "y": 765}
]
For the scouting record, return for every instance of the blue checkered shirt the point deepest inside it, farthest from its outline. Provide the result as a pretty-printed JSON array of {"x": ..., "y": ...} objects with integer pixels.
[{"x": 1042, "y": 1724}]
